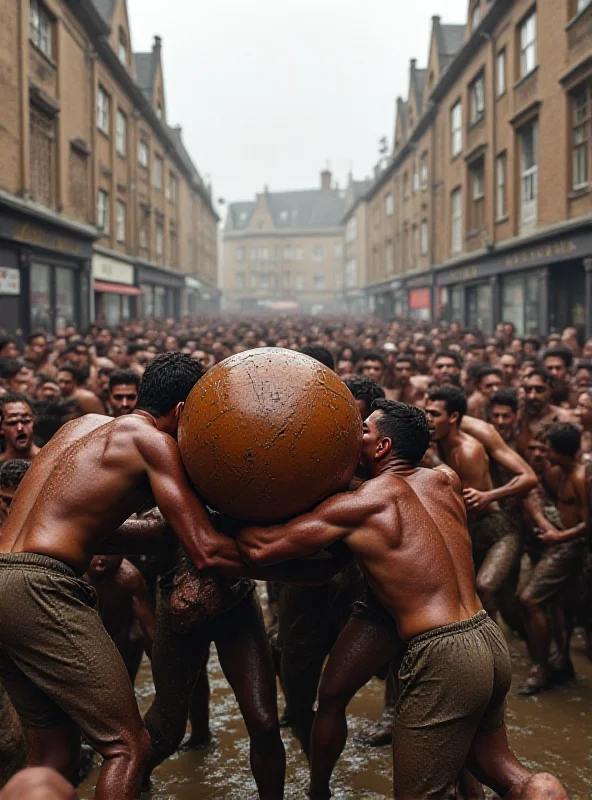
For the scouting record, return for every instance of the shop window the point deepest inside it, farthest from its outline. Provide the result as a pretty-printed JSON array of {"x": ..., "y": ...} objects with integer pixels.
[
  {"x": 582, "y": 125},
  {"x": 477, "y": 176},
  {"x": 520, "y": 303},
  {"x": 159, "y": 302},
  {"x": 40, "y": 277},
  {"x": 64, "y": 292},
  {"x": 42, "y": 147}
]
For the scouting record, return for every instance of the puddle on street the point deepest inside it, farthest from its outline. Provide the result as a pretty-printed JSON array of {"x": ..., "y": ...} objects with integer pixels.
[{"x": 550, "y": 733}]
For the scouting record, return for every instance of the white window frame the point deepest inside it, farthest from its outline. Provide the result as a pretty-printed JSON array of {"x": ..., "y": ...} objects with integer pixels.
[
  {"x": 103, "y": 211},
  {"x": 501, "y": 167},
  {"x": 159, "y": 240},
  {"x": 287, "y": 254},
  {"x": 240, "y": 254},
  {"x": 299, "y": 254},
  {"x": 299, "y": 283},
  {"x": 500, "y": 72},
  {"x": 338, "y": 251},
  {"x": 477, "y": 92},
  {"x": 120, "y": 221},
  {"x": 415, "y": 177},
  {"x": 158, "y": 171},
  {"x": 121, "y": 133},
  {"x": 319, "y": 252},
  {"x": 103, "y": 111},
  {"x": 582, "y": 136},
  {"x": 424, "y": 237},
  {"x": 456, "y": 239},
  {"x": 40, "y": 28},
  {"x": 456, "y": 128},
  {"x": 425, "y": 171},
  {"x": 143, "y": 157},
  {"x": 389, "y": 205},
  {"x": 122, "y": 49},
  {"x": 529, "y": 180},
  {"x": 528, "y": 44}
]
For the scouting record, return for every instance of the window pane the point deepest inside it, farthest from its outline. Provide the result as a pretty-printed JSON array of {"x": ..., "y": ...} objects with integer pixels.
[
  {"x": 40, "y": 297},
  {"x": 64, "y": 297}
]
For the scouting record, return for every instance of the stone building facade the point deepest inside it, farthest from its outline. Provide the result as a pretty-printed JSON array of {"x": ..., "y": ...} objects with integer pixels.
[
  {"x": 284, "y": 251},
  {"x": 491, "y": 174},
  {"x": 102, "y": 213}
]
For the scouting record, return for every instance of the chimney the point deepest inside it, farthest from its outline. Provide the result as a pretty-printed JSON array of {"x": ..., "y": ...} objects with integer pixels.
[
  {"x": 157, "y": 43},
  {"x": 326, "y": 179}
]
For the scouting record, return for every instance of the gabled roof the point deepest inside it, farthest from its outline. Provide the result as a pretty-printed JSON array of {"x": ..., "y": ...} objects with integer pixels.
[
  {"x": 145, "y": 72},
  {"x": 450, "y": 40},
  {"x": 309, "y": 208},
  {"x": 105, "y": 8},
  {"x": 177, "y": 135}
]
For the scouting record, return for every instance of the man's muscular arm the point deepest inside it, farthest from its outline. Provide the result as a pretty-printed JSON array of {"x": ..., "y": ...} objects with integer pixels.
[
  {"x": 142, "y": 610},
  {"x": 333, "y": 520},
  {"x": 578, "y": 531},
  {"x": 524, "y": 477}
]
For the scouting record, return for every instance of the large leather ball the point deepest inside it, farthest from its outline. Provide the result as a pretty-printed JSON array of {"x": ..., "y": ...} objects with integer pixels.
[{"x": 268, "y": 434}]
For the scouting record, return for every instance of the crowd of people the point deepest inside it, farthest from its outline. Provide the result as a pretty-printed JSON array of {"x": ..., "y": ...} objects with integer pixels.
[{"x": 507, "y": 424}]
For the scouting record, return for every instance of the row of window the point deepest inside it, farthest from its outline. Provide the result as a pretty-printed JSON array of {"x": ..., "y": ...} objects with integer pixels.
[
  {"x": 319, "y": 253},
  {"x": 103, "y": 223},
  {"x": 270, "y": 280},
  {"x": 415, "y": 243},
  {"x": 104, "y": 125}
]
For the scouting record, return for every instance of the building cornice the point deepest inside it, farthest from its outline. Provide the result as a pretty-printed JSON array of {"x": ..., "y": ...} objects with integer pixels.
[
  {"x": 47, "y": 215},
  {"x": 301, "y": 233}
]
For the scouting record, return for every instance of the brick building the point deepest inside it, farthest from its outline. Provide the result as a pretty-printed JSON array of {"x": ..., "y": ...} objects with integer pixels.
[
  {"x": 484, "y": 211},
  {"x": 285, "y": 251},
  {"x": 102, "y": 212}
]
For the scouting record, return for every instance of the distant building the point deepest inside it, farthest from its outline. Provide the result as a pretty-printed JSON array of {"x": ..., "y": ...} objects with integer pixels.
[
  {"x": 284, "y": 251},
  {"x": 355, "y": 246},
  {"x": 102, "y": 213},
  {"x": 484, "y": 212}
]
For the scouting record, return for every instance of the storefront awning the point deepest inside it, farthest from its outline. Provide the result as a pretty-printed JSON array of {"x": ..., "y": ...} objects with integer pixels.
[{"x": 117, "y": 288}]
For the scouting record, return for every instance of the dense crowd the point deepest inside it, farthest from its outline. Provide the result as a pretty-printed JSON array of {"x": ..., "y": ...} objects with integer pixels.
[{"x": 511, "y": 415}]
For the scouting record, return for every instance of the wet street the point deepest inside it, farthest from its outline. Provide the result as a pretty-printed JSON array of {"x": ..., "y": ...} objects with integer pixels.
[{"x": 551, "y": 732}]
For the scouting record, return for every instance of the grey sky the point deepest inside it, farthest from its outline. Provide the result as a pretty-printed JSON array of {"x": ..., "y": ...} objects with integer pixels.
[{"x": 269, "y": 91}]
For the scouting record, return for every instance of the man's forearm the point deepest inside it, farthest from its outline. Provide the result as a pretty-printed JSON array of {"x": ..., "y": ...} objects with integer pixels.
[
  {"x": 571, "y": 534},
  {"x": 517, "y": 487},
  {"x": 139, "y": 537}
]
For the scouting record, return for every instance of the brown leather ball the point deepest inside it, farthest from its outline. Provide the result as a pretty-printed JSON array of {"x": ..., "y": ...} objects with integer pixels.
[{"x": 268, "y": 434}]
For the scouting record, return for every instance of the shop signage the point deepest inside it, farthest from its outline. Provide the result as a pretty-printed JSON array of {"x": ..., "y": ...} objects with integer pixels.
[
  {"x": 556, "y": 250},
  {"x": 32, "y": 234},
  {"x": 110, "y": 269},
  {"x": 10, "y": 281}
]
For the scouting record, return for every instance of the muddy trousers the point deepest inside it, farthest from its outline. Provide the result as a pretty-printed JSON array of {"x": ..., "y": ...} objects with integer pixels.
[{"x": 245, "y": 656}]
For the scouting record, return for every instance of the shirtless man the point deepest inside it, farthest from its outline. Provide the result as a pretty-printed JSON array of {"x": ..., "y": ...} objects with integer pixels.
[
  {"x": 38, "y": 783},
  {"x": 537, "y": 412},
  {"x": 37, "y": 353},
  {"x": 70, "y": 382},
  {"x": 123, "y": 392},
  {"x": 409, "y": 386},
  {"x": 557, "y": 362},
  {"x": 16, "y": 425},
  {"x": 58, "y": 664},
  {"x": 489, "y": 380},
  {"x": 446, "y": 368},
  {"x": 124, "y": 608},
  {"x": 509, "y": 366},
  {"x": 562, "y": 531},
  {"x": 422, "y": 573},
  {"x": 496, "y": 542},
  {"x": 11, "y": 475}
]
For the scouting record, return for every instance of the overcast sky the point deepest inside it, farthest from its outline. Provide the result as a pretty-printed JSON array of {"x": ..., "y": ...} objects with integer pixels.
[{"x": 270, "y": 91}]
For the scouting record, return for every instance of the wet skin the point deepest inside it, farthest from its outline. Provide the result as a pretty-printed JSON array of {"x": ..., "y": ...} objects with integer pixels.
[{"x": 537, "y": 412}]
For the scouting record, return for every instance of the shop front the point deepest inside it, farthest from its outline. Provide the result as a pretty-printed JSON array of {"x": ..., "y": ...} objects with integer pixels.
[
  {"x": 45, "y": 264},
  {"x": 539, "y": 287},
  {"x": 160, "y": 292},
  {"x": 191, "y": 297},
  {"x": 115, "y": 296},
  {"x": 388, "y": 299},
  {"x": 419, "y": 297}
]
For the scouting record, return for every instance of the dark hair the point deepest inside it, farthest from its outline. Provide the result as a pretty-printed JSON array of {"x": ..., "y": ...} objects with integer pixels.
[
  {"x": 532, "y": 340},
  {"x": 74, "y": 371},
  {"x": 364, "y": 388},
  {"x": 505, "y": 397},
  {"x": 540, "y": 372},
  {"x": 449, "y": 354},
  {"x": 403, "y": 359},
  {"x": 583, "y": 365},
  {"x": 74, "y": 346},
  {"x": 320, "y": 354},
  {"x": 12, "y": 473},
  {"x": 484, "y": 371},
  {"x": 124, "y": 376},
  {"x": 564, "y": 353},
  {"x": 168, "y": 381},
  {"x": 36, "y": 334},
  {"x": 133, "y": 348},
  {"x": 42, "y": 377},
  {"x": 476, "y": 346},
  {"x": 454, "y": 400},
  {"x": 406, "y": 427},
  {"x": 12, "y": 397},
  {"x": 374, "y": 355},
  {"x": 9, "y": 367},
  {"x": 105, "y": 371},
  {"x": 6, "y": 339},
  {"x": 564, "y": 438},
  {"x": 429, "y": 347}
]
